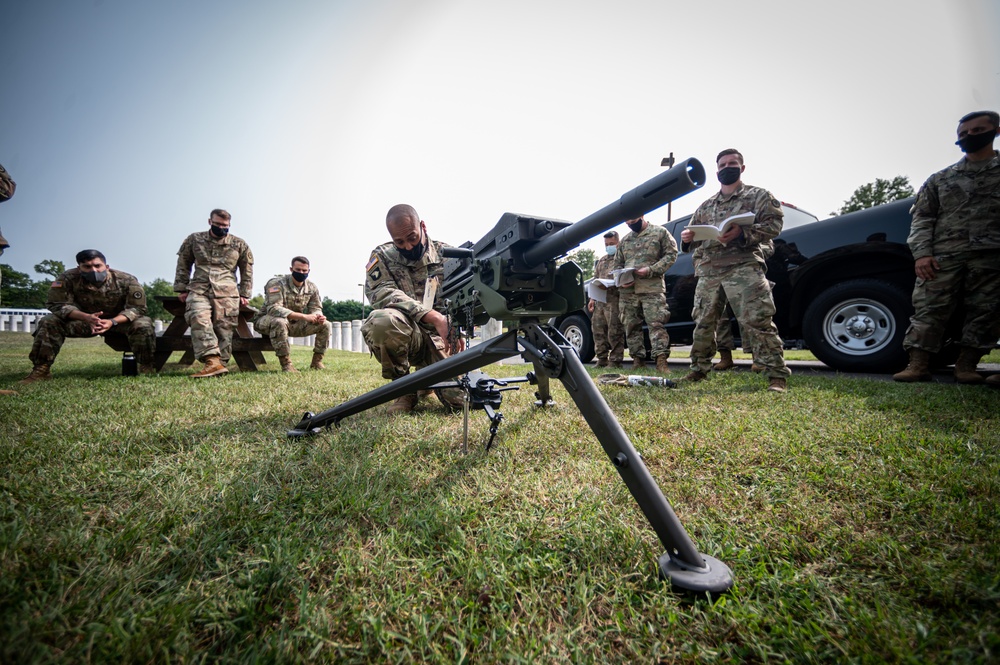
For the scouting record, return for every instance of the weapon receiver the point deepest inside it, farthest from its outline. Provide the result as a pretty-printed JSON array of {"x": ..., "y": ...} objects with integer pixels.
[{"x": 511, "y": 275}]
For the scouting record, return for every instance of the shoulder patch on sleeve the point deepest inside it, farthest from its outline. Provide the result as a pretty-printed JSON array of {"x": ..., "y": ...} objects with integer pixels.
[
  {"x": 776, "y": 203},
  {"x": 137, "y": 295},
  {"x": 375, "y": 274},
  {"x": 274, "y": 289},
  {"x": 372, "y": 262},
  {"x": 56, "y": 284}
]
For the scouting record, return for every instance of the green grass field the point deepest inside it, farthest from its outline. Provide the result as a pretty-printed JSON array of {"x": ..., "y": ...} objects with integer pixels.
[{"x": 160, "y": 519}]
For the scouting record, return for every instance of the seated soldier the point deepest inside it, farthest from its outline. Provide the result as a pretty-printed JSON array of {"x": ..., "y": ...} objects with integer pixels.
[
  {"x": 90, "y": 300},
  {"x": 292, "y": 306}
]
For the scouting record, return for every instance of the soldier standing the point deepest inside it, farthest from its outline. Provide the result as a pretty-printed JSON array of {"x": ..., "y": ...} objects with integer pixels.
[
  {"x": 734, "y": 265},
  {"x": 90, "y": 300},
  {"x": 7, "y": 187},
  {"x": 211, "y": 296},
  {"x": 955, "y": 240},
  {"x": 408, "y": 326},
  {"x": 609, "y": 336},
  {"x": 650, "y": 250},
  {"x": 292, "y": 307}
]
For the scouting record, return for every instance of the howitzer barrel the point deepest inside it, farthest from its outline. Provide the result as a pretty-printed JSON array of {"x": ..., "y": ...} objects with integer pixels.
[{"x": 657, "y": 192}]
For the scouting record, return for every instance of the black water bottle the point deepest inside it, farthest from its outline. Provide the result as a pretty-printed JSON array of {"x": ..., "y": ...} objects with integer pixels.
[{"x": 129, "y": 366}]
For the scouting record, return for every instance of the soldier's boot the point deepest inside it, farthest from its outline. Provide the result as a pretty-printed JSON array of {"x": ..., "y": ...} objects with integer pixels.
[
  {"x": 965, "y": 366},
  {"x": 317, "y": 361},
  {"x": 917, "y": 369},
  {"x": 754, "y": 367},
  {"x": 638, "y": 363},
  {"x": 694, "y": 376},
  {"x": 286, "y": 364},
  {"x": 147, "y": 368},
  {"x": 993, "y": 380},
  {"x": 615, "y": 363},
  {"x": 603, "y": 362},
  {"x": 213, "y": 367},
  {"x": 403, "y": 404},
  {"x": 725, "y": 361},
  {"x": 777, "y": 384},
  {"x": 661, "y": 363},
  {"x": 452, "y": 398},
  {"x": 39, "y": 373}
]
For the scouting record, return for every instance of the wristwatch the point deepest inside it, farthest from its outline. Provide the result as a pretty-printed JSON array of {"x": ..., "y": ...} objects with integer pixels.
[{"x": 113, "y": 323}]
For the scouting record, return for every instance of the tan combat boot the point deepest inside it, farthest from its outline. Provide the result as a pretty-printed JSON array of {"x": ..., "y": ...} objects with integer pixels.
[
  {"x": 917, "y": 370},
  {"x": 286, "y": 364},
  {"x": 403, "y": 404},
  {"x": 147, "y": 368},
  {"x": 993, "y": 380},
  {"x": 965, "y": 366},
  {"x": 694, "y": 376},
  {"x": 39, "y": 373},
  {"x": 213, "y": 367},
  {"x": 317, "y": 361},
  {"x": 777, "y": 384},
  {"x": 661, "y": 363},
  {"x": 603, "y": 362},
  {"x": 725, "y": 361},
  {"x": 638, "y": 363},
  {"x": 754, "y": 367}
]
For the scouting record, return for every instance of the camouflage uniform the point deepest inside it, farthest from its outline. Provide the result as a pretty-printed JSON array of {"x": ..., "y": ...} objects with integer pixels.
[
  {"x": 7, "y": 187},
  {"x": 956, "y": 219},
  {"x": 282, "y": 297},
  {"x": 655, "y": 248},
  {"x": 609, "y": 335},
  {"x": 724, "y": 332},
  {"x": 213, "y": 302},
  {"x": 736, "y": 271},
  {"x": 119, "y": 294},
  {"x": 402, "y": 292}
]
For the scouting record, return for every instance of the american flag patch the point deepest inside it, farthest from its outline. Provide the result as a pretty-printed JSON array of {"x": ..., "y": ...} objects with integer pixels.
[
  {"x": 274, "y": 289},
  {"x": 371, "y": 262},
  {"x": 56, "y": 284}
]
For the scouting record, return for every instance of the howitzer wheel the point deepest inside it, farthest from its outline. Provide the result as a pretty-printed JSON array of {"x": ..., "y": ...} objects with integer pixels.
[{"x": 715, "y": 577}]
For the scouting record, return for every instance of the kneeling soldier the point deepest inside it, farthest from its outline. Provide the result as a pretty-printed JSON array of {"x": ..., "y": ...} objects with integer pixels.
[
  {"x": 90, "y": 300},
  {"x": 293, "y": 307}
]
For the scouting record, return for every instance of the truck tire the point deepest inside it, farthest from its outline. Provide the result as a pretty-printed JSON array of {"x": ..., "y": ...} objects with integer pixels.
[
  {"x": 858, "y": 326},
  {"x": 576, "y": 330}
]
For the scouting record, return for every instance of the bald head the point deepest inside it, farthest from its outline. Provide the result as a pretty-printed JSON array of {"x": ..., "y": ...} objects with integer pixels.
[{"x": 405, "y": 227}]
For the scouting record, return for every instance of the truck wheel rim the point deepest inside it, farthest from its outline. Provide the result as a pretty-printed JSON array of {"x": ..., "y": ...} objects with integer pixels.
[{"x": 859, "y": 327}]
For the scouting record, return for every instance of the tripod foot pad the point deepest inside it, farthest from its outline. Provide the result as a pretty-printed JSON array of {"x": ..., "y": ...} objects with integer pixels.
[{"x": 714, "y": 577}]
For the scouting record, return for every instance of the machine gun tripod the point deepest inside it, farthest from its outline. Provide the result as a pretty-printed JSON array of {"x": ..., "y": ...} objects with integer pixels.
[{"x": 511, "y": 274}]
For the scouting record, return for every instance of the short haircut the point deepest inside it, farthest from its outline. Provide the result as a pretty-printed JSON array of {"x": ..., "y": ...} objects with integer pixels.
[
  {"x": 729, "y": 151},
  {"x": 300, "y": 259},
  {"x": 401, "y": 210},
  {"x": 219, "y": 212},
  {"x": 89, "y": 255},
  {"x": 992, "y": 115},
  {"x": 611, "y": 234}
]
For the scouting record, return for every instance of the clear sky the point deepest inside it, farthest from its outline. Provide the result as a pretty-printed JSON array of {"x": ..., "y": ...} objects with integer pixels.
[{"x": 124, "y": 122}]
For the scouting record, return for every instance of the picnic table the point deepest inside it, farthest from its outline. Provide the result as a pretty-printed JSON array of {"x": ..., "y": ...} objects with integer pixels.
[{"x": 247, "y": 349}]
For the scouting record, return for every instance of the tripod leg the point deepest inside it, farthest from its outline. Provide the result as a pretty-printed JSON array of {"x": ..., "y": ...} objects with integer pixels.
[{"x": 681, "y": 564}]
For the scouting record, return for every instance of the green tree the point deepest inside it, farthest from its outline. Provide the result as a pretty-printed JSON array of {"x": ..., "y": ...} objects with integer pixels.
[
  {"x": 50, "y": 267},
  {"x": 344, "y": 310},
  {"x": 19, "y": 290},
  {"x": 584, "y": 258},
  {"x": 876, "y": 193},
  {"x": 154, "y": 308},
  {"x": 257, "y": 302}
]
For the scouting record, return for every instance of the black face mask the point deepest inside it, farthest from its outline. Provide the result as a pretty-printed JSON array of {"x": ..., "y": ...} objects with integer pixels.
[
  {"x": 975, "y": 142},
  {"x": 729, "y": 175},
  {"x": 636, "y": 228},
  {"x": 414, "y": 253},
  {"x": 219, "y": 232},
  {"x": 96, "y": 277},
  {"x": 300, "y": 276}
]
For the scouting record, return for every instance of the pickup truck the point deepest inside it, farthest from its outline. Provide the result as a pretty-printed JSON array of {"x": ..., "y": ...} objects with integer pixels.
[{"x": 841, "y": 289}]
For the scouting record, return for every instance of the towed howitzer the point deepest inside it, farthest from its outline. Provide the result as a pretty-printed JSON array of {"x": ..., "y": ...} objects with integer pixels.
[{"x": 511, "y": 274}]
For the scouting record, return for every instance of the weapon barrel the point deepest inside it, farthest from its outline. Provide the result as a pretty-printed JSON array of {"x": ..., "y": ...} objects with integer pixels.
[{"x": 683, "y": 178}]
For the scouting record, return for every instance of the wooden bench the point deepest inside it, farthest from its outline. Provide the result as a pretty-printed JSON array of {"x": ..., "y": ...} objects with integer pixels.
[{"x": 247, "y": 349}]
